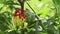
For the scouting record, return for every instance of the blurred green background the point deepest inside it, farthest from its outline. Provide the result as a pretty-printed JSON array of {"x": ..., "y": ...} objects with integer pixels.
[{"x": 43, "y": 17}]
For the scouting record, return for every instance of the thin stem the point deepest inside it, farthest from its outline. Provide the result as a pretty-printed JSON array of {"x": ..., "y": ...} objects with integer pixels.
[{"x": 22, "y": 7}]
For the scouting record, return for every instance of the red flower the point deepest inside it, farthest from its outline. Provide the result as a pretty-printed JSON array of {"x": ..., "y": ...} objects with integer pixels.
[
  {"x": 21, "y": 13},
  {"x": 24, "y": 15}
]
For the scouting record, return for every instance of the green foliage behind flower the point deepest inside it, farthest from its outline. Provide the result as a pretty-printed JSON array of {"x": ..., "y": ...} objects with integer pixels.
[{"x": 48, "y": 12}]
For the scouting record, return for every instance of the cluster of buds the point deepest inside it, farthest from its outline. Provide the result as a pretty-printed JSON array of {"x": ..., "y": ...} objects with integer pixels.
[{"x": 20, "y": 13}]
